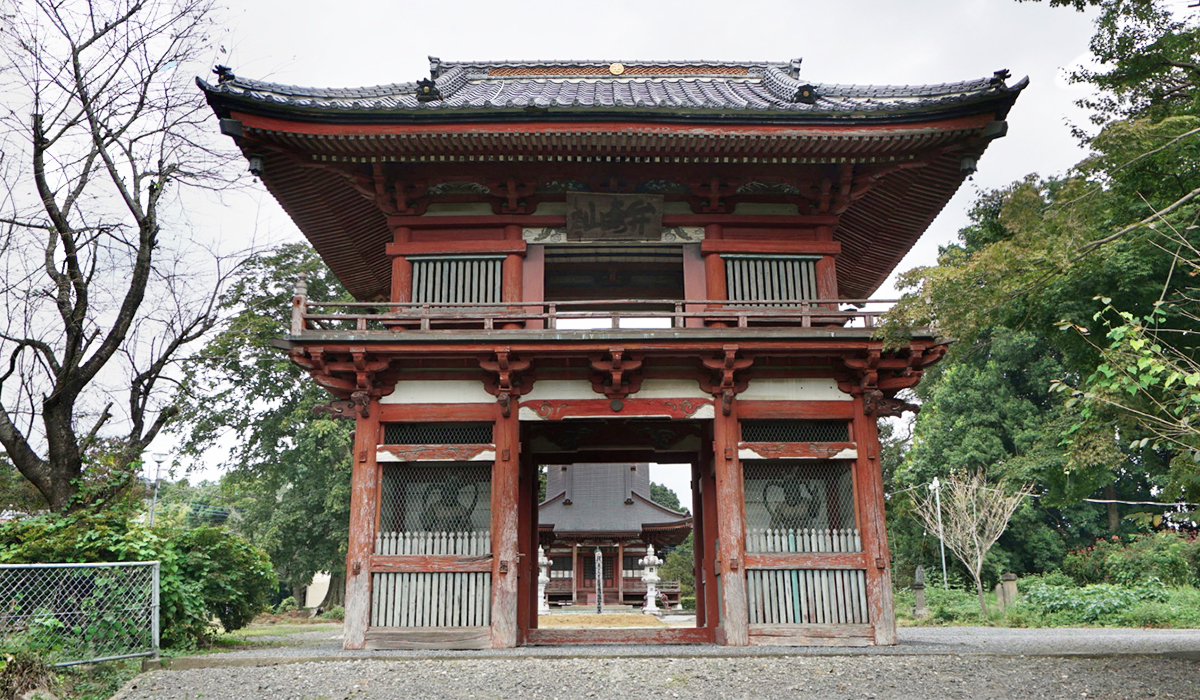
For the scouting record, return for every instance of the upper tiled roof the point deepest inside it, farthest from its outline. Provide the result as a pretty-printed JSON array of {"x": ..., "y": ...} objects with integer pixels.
[
  {"x": 682, "y": 88},
  {"x": 605, "y": 498}
]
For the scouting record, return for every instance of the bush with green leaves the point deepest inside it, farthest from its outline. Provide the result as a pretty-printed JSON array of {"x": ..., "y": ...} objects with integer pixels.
[
  {"x": 204, "y": 573},
  {"x": 1171, "y": 557},
  {"x": 1093, "y": 603}
]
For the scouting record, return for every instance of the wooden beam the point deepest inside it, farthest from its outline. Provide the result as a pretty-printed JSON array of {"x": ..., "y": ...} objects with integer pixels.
[
  {"x": 456, "y": 247},
  {"x": 731, "y": 525},
  {"x": 775, "y": 246},
  {"x": 364, "y": 484},
  {"x": 795, "y": 410},
  {"x": 437, "y": 412},
  {"x": 428, "y": 638},
  {"x": 811, "y": 635},
  {"x": 421, "y": 563},
  {"x": 505, "y": 529},
  {"x": 797, "y": 450}
]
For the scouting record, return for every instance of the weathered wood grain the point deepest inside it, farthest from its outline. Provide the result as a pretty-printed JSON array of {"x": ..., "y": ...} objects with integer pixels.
[
  {"x": 416, "y": 638},
  {"x": 364, "y": 505}
]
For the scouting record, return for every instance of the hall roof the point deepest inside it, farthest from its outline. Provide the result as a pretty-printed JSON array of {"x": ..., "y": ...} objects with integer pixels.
[
  {"x": 604, "y": 499},
  {"x": 327, "y": 154},
  {"x": 680, "y": 90}
]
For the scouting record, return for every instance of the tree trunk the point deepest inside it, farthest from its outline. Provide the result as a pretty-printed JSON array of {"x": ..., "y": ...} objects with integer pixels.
[
  {"x": 336, "y": 595},
  {"x": 1114, "y": 516},
  {"x": 982, "y": 596},
  {"x": 298, "y": 590}
]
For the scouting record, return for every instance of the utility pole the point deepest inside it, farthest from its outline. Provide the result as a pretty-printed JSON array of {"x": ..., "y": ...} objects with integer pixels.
[
  {"x": 936, "y": 487},
  {"x": 158, "y": 458}
]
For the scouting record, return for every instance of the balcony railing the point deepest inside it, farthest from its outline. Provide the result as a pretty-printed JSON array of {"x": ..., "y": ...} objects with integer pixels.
[{"x": 310, "y": 316}]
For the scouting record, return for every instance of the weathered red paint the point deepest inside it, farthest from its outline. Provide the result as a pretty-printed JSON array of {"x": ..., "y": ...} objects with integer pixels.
[{"x": 364, "y": 481}]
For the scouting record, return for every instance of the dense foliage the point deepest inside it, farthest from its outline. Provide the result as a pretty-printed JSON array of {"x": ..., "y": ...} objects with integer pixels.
[
  {"x": 289, "y": 470},
  {"x": 1073, "y": 302},
  {"x": 204, "y": 573}
]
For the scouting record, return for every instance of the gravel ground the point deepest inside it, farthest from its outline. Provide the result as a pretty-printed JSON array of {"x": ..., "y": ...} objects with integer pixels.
[{"x": 927, "y": 677}]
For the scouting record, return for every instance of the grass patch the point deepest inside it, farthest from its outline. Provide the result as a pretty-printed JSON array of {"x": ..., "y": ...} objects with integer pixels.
[{"x": 1051, "y": 601}]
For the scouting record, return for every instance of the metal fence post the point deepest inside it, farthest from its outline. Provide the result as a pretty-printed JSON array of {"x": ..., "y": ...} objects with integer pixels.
[{"x": 155, "y": 608}]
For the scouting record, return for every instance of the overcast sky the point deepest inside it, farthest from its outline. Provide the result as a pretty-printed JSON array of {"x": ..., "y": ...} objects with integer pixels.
[{"x": 357, "y": 43}]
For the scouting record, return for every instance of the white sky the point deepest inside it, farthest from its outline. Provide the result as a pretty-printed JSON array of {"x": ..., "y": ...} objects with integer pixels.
[{"x": 359, "y": 43}]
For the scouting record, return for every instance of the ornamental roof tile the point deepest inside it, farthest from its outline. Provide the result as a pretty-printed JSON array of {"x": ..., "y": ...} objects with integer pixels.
[{"x": 687, "y": 87}]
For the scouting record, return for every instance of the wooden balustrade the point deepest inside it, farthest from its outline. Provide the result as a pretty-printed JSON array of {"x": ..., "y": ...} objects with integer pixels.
[{"x": 408, "y": 317}]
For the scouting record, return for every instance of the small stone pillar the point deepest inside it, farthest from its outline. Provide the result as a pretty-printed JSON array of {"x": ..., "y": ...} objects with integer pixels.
[
  {"x": 543, "y": 581},
  {"x": 919, "y": 608},
  {"x": 1006, "y": 590},
  {"x": 650, "y": 564}
]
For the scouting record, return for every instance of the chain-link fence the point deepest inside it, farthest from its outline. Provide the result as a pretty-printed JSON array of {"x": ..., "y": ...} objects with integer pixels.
[{"x": 81, "y": 613}]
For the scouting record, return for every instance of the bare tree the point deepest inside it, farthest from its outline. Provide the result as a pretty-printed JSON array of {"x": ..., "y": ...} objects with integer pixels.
[
  {"x": 99, "y": 122},
  {"x": 973, "y": 516}
]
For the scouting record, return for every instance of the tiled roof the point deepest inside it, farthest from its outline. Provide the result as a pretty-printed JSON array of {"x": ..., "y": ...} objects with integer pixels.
[
  {"x": 679, "y": 88},
  {"x": 604, "y": 498}
]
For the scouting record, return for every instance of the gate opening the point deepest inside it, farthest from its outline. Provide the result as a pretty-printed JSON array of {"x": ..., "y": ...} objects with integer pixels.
[{"x": 602, "y": 513}]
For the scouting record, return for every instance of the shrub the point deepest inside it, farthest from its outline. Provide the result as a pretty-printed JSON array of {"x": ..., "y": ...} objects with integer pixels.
[
  {"x": 1092, "y": 603},
  {"x": 204, "y": 573},
  {"x": 334, "y": 613},
  {"x": 235, "y": 576},
  {"x": 1171, "y": 557},
  {"x": 23, "y": 672},
  {"x": 687, "y": 602},
  {"x": 286, "y": 605}
]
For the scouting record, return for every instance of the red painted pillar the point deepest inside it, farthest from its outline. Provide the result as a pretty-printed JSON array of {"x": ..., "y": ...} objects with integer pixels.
[
  {"x": 731, "y": 528},
  {"x": 505, "y": 530},
  {"x": 402, "y": 269},
  {"x": 364, "y": 506},
  {"x": 869, "y": 482}
]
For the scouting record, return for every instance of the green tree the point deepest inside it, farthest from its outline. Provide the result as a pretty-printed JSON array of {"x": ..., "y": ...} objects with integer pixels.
[
  {"x": 289, "y": 470},
  {"x": 1113, "y": 241},
  {"x": 664, "y": 496},
  {"x": 679, "y": 565}
]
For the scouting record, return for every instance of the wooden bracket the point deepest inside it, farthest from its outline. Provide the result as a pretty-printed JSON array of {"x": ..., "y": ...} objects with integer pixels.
[
  {"x": 359, "y": 403},
  {"x": 507, "y": 386},
  {"x": 725, "y": 383},
  {"x": 617, "y": 376}
]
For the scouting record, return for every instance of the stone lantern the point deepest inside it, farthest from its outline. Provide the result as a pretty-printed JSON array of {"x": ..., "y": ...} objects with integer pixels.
[
  {"x": 650, "y": 564},
  {"x": 543, "y": 581}
]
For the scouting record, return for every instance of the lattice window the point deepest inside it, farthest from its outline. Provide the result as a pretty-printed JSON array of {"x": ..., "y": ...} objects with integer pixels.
[
  {"x": 800, "y": 506},
  {"x": 589, "y": 567},
  {"x": 437, "y": 433},
  {"x": 807, "y": 597},
  {"x": 631, "y": 568},
  {"x": 795, "y": 431},
  {"x": 435, "y": 508},
  {"x": 457, "y": 279},
  {"x": 560, "y": 567},
  {"x": 771, "y": 278}
]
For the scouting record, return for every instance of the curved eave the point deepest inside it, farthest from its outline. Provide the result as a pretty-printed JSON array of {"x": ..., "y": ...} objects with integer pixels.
[{"x": 920, "y": 111}]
